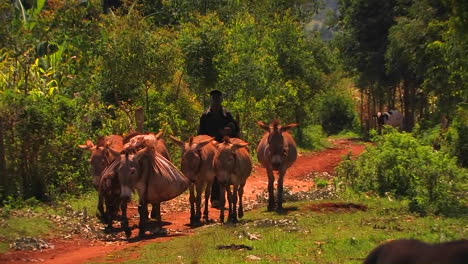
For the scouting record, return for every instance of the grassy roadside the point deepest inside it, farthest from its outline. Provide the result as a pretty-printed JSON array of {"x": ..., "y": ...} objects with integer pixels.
[
  {"x": 302, "y": 235},
  {"x": 44, "y": 221}
]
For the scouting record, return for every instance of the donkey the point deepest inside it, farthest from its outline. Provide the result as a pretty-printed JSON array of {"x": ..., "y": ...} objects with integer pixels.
[
  {"x": 103, "y": 153},
  {"x": 153, "y": 177},
  {"x": 276, "y": 151},
  {"x": 413, "y": 251},
  {"x": 197, "y": 165},
  {"x": 233, "y": 165},
  {"x": 136, "y": 141}
]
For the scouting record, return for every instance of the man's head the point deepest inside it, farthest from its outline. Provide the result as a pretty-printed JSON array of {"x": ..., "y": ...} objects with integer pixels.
[{"x": 216, "y": 98}]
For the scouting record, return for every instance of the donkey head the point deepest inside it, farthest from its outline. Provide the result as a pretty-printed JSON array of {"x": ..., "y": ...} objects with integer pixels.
[
  {"x": 225, "y": 159},
  {"x": 191, "y": 160},
  {"x": 278, "y": 150},
  {"x": 130, "y": 170},
  {"x": 98, "y": 160}
]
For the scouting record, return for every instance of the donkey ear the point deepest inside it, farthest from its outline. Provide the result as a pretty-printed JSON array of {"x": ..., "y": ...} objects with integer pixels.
[
  {"x": 113, "y": 152},
  {"x": 177, "y": 141},
  {"x": 216, "y": 143},
  {"x": 159, "y": 135},
  {"x": 140, "y": 154},
  {"x": 263, "y": 126},
  {"x": 288, "y": 127},
  {"x": 88, "y": 145},
  {"x": 240, "y": 145},
  {"x": 203, "y": 143}
]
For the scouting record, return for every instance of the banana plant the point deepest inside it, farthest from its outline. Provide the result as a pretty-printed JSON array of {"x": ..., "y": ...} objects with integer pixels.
[{"x": 29, "y": 16}]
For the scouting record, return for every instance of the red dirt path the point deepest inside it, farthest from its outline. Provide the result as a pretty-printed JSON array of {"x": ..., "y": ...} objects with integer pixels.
[{"x": 78, "y": 250}]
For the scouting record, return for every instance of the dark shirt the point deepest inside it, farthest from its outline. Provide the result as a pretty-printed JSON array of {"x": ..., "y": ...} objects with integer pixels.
[{"x": 213, "y": 124}]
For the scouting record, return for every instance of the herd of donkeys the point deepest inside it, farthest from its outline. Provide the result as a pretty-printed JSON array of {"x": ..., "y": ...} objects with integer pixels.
[{"x": 141, "y": 163}]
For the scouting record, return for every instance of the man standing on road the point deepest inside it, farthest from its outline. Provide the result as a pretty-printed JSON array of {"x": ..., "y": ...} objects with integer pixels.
[{"x": 217, "y": 122}]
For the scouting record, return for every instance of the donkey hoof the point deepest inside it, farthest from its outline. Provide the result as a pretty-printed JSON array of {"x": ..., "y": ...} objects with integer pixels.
[
  {"x": 280, "y": 210},
  {"x": 128, "y": 233},
  {"x": 195, "y": 222},
  {"x": 240, "y": 214}
]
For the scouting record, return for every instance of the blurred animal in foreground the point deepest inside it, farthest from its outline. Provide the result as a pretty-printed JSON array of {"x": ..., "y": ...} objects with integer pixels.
[{"x": 413, "y": 251}]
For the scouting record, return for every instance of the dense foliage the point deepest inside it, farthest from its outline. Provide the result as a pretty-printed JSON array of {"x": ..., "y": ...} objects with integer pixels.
[
  {"x": 407, "y": 55},
  {"x": 76, "y": 70},
  {"x": 400, "y": 166}
]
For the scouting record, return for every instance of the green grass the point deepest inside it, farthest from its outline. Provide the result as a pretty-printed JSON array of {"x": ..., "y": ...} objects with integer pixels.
[
  {"x": 309, "y": 237},
  {"x": 345, "y": 134},
  {"x": 4, "y": 247},
  {"x": 21, "y": 227},
  {"x": 31, "y": 221},
  {"x": 16, "y": 227}
]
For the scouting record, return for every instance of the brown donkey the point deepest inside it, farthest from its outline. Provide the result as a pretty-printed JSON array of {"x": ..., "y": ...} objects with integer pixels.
[
  {"x": 197, "y": 165},
  {"x": 276, "y": 151},
  {"x": 154, "y": 178},
  {"x": 136, "y": 141},
  {"x": 233, "y": 166},
  {"x": 102, "y": 155}
]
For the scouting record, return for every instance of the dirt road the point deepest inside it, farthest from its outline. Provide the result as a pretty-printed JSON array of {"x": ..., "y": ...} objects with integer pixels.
[{"x": 176, "y": 215}]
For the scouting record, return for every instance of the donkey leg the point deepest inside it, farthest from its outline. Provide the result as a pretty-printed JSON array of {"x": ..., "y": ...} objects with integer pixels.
[
  {"x": 207, "y": 199},
  {"x": 223, "y": 201},
  {"x": 271, "y": 191},
  {"x": 109, "y": 215},
  {"x": 124, "y": 223},
  {"x": 100, "y": 207},
  {"x": 241, "y": 208},
  {"x": 230, "y": 203},
  {"x": 192, "y": 203},
  {"x": 143, "y": 211},
  {"x": 156, "y": 212},
  {"x": 279, "y": 207},
  {"x": 199, "y": 189},
  {"x": 234, "y": 203}
]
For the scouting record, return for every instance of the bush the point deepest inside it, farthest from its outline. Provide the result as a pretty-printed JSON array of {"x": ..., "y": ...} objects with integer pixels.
[
  {"x": 399, "y": 164},
  {"x": 314, "y": 138},
  {"x": 337, "y": 112},
  {"x": 453, "y": 140},
  {"x": 460, "y": 124}
]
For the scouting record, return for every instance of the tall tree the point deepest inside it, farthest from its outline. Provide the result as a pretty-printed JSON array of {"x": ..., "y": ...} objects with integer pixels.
[{"x": 363, "y": 27}]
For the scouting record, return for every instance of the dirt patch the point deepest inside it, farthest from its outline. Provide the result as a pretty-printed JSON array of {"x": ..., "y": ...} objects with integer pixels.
[
  {"x": 175, "y": 213},
  {"x": 336, "y": 207}
]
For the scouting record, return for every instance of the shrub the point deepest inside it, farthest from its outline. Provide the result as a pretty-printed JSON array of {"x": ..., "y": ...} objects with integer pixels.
[
  {"x": 453, "y": 140},
  {"x": 336, "y": 112},
  {"x": 314, "y": 138},
  {"x": 401, "y": 165}
]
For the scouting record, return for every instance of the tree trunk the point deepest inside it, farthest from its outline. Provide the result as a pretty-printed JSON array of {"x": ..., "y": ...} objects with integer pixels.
[
  {"x": 140, "y": 119},
  {"x": 3, "y": 173},
  {"x": 408, "y": 97},
  {"x": 300, "y": 136},
  {"x": 361, "y": 112}
]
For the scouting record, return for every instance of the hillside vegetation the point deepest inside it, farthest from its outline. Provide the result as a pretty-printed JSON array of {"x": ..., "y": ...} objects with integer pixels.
[{"x": 75, "y": 70}]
